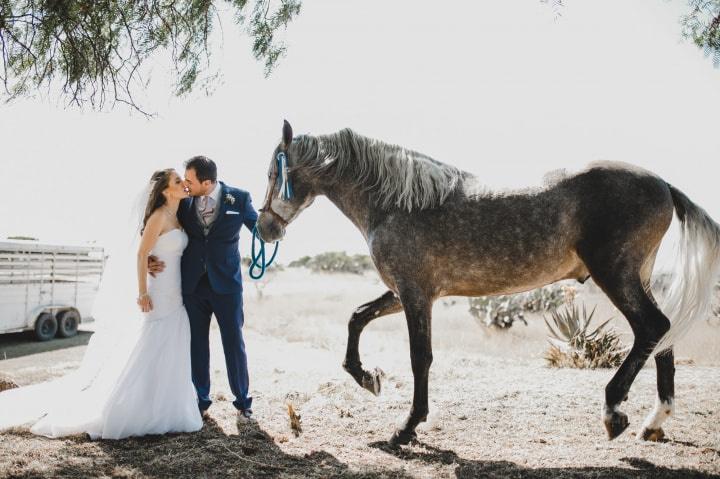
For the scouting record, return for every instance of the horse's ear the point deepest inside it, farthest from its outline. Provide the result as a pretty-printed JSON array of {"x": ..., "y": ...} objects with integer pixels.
[{"x": 287, "y": 134}]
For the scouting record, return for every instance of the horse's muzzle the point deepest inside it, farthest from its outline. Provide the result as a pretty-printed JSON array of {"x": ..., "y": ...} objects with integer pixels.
[{"x": 269, "y": 228}]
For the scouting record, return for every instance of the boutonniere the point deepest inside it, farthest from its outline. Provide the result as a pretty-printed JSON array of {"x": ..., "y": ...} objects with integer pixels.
[{"x": 229, "y": 199}]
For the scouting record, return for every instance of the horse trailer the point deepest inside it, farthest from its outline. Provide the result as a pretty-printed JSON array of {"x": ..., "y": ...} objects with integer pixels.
[{"x": 47, "y": 288}]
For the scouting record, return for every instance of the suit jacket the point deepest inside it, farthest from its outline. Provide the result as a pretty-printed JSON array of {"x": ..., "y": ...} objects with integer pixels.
[{"x": 214, "y": 250}]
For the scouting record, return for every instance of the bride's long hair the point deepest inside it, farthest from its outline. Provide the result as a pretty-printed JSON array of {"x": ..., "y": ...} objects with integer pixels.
[{"x": 159, "y": 181}]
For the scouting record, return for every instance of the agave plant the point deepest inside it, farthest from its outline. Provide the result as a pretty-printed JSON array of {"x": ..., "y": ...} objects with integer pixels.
[{"x": 573, "y": 344}]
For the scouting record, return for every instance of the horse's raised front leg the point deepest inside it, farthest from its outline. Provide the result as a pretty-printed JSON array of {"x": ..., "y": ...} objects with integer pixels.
[
  {"x": 388, "y": 303},
  {"x": 418, "y": 311}
]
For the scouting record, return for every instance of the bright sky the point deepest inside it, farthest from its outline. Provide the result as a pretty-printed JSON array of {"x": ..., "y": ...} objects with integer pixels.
[{"x": 503, "y": 89}]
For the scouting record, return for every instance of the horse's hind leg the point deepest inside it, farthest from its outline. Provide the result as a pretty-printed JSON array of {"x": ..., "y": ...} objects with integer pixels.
[
  {"x": 651, "y": 428},
  {"x": 621, "y": 282},
  {"x": 388, "y": 303},
  {"x": 665, "y": 365}
]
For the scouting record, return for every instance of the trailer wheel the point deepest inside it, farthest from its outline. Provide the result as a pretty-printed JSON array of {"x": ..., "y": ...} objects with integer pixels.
[
  {"x": 45, "y": 327},
  {"x": 68, "y": 321}
]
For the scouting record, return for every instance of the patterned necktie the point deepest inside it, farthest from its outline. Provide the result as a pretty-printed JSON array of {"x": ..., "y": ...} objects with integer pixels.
[{"x": 207, "y": 208}]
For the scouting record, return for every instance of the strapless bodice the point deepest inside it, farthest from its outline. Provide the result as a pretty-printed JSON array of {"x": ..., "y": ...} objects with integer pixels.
[
  {"x": 171, "y": 242},
  {"x": 165, "y": 289}
]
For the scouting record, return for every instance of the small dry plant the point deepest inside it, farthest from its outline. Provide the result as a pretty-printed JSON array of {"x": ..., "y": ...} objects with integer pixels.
[
  {"x": 572, "y": 345},
  {"x": 295, "y": 423}
]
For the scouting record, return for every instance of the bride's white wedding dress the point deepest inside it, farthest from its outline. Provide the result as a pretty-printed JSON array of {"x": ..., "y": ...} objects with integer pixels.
[{"x": 143, "y": 386}]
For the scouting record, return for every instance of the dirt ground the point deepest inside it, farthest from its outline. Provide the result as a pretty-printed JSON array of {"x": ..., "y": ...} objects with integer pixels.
[{"x": 496, "y": 410}]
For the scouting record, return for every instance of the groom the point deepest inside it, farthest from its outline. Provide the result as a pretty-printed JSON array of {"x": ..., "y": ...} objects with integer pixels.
[{"x": 211, "y": 281}]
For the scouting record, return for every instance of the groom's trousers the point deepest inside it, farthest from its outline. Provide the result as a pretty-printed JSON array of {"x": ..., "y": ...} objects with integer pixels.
[{"x": 228, "y": 310}]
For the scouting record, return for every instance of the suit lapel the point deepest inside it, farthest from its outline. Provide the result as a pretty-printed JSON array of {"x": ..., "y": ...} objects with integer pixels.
[{"x": 192, "y": 215}]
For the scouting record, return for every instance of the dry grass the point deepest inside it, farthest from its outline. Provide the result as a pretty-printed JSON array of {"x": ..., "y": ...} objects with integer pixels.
[{"x": 208, "y": 453}]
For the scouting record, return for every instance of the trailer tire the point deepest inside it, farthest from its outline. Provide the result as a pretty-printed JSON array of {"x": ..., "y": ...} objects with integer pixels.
[
  {"x": 68, "y": 321},
  {"x": 45, "y": 327}
]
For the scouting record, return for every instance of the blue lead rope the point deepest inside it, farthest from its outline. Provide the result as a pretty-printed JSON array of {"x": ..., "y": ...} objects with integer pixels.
[{"x": 258, "y": 258}]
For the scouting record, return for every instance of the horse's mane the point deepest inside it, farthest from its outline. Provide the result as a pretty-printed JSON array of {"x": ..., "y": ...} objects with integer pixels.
[{"x": 399, "y": 177}]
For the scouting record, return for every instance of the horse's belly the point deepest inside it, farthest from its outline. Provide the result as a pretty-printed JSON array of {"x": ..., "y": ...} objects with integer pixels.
[{"x": 512, "y": 275}]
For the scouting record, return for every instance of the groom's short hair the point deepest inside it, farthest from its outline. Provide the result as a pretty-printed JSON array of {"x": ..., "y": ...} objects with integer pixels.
[{"x": 204, "y": 167}]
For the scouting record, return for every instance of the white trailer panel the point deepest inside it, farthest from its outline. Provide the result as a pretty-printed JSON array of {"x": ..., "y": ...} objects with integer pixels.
[{"x": 41, "y": 277}]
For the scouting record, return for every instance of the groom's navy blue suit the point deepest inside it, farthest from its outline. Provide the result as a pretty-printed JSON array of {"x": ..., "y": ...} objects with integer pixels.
[{"x": 211, "y": 283}]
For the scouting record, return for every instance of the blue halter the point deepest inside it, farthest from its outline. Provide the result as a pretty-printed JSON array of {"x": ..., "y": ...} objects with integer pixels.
[
  {"x": 286, "y": 193},
  {"x": 286, "y": 190}
]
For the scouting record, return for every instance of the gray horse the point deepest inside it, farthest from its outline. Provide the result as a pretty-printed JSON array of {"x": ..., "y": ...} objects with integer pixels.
[{"x": 432, "y": 231}]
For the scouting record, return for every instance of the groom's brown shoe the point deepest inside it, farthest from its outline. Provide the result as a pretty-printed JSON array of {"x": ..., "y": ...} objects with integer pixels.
[{"x": 205, "y": 414}]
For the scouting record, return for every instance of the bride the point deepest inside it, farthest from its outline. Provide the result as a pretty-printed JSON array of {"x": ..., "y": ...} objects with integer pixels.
[{"x": 143, "y": 386}]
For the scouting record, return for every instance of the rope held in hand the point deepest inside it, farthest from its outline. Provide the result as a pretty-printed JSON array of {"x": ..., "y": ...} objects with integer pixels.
[{"x": 258, "y": 260}]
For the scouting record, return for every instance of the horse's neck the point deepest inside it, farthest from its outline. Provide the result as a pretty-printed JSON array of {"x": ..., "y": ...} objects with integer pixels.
[
  {"x": 353, "y": 202},
  {"x": 359, "y": 206}
]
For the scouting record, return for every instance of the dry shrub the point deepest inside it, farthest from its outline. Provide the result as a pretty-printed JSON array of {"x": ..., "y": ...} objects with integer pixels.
[
  {"x": 573, "y": 346},
  {"x": 335, "y": 262},
  {"x": 497, "y": 311},
  {"x": 501, "y": 312},
  {"x": 548, "y": 298},
  {"x": 6, "y": 384}
]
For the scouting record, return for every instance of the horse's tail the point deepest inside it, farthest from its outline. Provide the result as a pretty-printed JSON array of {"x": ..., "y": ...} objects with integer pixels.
[{"x": 697, "y": 265}]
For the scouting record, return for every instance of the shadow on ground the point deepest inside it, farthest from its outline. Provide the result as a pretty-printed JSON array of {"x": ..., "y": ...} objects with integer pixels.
[
  {"x": 253, "y": 453},
  {"x": 466, "y": 469},
  {"x": 15, "y": 345},
  {"x": 207, "y": 453}
]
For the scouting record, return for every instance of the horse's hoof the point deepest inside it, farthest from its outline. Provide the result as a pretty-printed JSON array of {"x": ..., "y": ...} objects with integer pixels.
[
  {"x": 654, "y": 435},
  {"x": 402, "y": 438},
  {"x": 372, "y": 380},
  {"x": 615, "y": 424}
]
